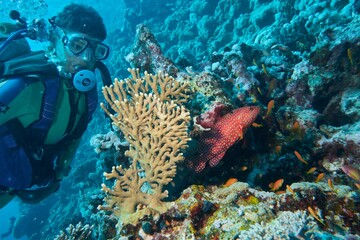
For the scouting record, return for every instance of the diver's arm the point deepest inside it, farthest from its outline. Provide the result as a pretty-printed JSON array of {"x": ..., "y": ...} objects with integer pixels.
[
  {"x": 63, "y": 165},
  {"x": 25, "y": 104},
  {"x": 18, "y": 103},
  {"x": 62, "y": 169}
]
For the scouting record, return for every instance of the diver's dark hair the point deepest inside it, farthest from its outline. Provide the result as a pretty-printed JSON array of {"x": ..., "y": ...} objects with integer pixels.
[{"x": 83, "y": 19}]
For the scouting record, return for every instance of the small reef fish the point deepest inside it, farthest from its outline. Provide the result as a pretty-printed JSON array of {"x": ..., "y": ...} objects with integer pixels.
[
  {"x": 311, "y": 170},
  {"x": 295, "y": 127},
  {"x": 297, "y": 154},
  {"x": 296, "y": 131},
  {"x": 349, "y": 54},
  {"x": 270, "y": 107},
  {"x": 226, "y": 132},
  {"x": 230, "y": 182},
  {"x": 278, "y": 149},
  {"x": 315, "y": 215},
  {"x": 331, "y": 185},
  {"x": 290, "y": 189},
  {"x": 257, "y": 125},
  {"x": 243, "y": 168},
  {"x": 264, "y": 70},
  {"x": 272, "y": 86},
  {"x": 276, "y": 185},
  {"x": 351, "y": 172},
  {"x": 319, "y": 177}
]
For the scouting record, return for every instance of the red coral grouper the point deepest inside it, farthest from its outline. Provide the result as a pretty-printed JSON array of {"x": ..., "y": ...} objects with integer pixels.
[{"x": 225, "y": 133}]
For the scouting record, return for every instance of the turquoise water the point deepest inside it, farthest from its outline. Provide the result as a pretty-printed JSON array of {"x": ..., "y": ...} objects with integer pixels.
[{"x": 9, "y": 211}]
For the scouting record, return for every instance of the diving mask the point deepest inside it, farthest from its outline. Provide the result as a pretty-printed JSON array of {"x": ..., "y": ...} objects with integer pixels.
[{"x": 78, "y": 44}]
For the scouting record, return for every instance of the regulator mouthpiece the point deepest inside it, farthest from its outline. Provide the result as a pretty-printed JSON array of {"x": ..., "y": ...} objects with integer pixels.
[{"x": 84, "y": 80}]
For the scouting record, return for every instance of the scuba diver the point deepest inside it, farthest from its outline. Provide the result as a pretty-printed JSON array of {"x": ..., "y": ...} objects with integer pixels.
[{"x": 47, "y": 99}]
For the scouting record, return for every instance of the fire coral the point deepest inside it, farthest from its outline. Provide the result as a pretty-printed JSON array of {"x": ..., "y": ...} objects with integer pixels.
[{"x": 156, "y": 126}]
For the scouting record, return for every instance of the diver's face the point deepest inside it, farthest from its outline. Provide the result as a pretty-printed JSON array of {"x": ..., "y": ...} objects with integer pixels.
[{"x": 79, "y": 51}]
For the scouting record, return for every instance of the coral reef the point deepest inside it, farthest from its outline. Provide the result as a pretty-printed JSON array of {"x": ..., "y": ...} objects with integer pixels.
[
  {"x": 295, "y": 174},
  {"x": 189, "y": 32},
  {"x": 241, "y": 212},
  {"x": 146, "y": 54}
]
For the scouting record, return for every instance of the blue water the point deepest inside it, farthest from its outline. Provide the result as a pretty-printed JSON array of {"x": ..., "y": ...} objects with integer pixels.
[{"x": 9, "y": 211}]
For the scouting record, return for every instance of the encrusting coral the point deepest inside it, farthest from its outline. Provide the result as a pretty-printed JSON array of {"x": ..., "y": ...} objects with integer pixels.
[
  {"x": 80, "y": 232},
  {"x": 149, "y": 113}
]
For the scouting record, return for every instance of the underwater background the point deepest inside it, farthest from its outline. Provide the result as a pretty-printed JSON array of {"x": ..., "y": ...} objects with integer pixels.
[{"x": 287, "y": 167}]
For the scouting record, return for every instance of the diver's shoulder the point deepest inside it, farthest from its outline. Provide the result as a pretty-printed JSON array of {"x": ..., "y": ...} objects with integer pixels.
[{"x": 18, "y": 84}]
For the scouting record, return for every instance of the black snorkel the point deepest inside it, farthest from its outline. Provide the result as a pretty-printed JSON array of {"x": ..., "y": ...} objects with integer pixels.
[
  {"x": 17, "y": 30},
  {"x": 15, "y": 15}
]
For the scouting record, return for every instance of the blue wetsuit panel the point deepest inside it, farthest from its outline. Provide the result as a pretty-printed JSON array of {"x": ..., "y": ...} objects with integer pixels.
[
  {"x": 15, "y": 167},
  {"x": 11, "y": 89}
]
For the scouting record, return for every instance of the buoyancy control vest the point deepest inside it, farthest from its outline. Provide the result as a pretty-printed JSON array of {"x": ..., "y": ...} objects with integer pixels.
[
  {"x": 20, "y": 72},
  {"x": 24, "y": 69},
  {"x": 29, "y": 140},
  {"x": 21, "y": 66}
]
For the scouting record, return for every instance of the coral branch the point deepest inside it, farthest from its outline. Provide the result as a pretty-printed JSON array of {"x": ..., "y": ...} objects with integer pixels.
[{"x": 149, "y": 113}]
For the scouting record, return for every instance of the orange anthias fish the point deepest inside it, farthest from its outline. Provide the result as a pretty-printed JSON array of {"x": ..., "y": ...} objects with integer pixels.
[
  {"x": 297, "y": 154},
  {"x": 319, "y": 177},
  {"x": 311, "y": 170},
  {"x": 290, "y": 189},
  {"x": 276, "y": 185},
  {"x": 295, "y": 127},
  {"x": 351, "y": 172},
  {"x": 272, "y": 86},
  {"x": 226, "y": 132},
  {"x": 257, "y": 125},
  {"x": 264, "y": 70},
  {"x": 278, "y": 149},
  {"x": 297, "y": 131},
  {"x": 270, "y": 106},
  {"x": 315, "y": 215},
  {"x": 243, "y": 168},
  {"x": 230, "y": 182},
  {"x": 331, "y": 185}
]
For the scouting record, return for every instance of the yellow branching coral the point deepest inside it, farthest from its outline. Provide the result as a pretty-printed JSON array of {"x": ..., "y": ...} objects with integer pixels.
[{"x": 149, "y": 113}]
